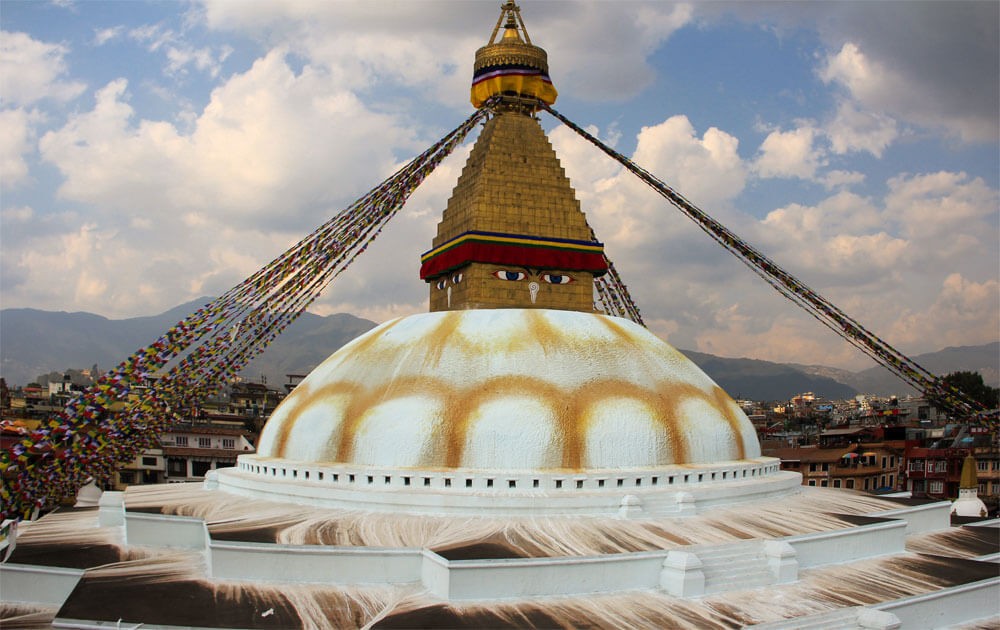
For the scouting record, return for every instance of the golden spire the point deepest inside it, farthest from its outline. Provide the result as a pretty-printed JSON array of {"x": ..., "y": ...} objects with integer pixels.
[
  {"x": 969, "y": 480},
  {"x": 512, "y": 67},
  {"x": 513, "y": 235}
]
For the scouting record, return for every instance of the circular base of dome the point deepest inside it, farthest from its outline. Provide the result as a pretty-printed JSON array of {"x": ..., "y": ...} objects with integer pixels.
[{"x": 674, "y": 490}]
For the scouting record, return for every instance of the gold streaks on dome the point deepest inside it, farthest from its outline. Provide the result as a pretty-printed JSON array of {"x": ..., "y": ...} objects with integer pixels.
[{"x": 512, "y": 390}]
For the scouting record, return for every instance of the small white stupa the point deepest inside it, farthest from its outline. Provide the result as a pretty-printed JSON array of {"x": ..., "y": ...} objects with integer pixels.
[{"x": 968, "y": 502}]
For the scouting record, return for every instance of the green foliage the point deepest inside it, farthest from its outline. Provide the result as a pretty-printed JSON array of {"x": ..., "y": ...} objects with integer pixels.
[{"x": 972, "y": 385}]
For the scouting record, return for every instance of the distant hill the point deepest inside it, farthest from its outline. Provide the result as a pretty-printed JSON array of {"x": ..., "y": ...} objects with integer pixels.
[
  {"x": 34, "y": 342},
  {"x": 763, "y": 380},
  {"x": 984, "y": 359}
]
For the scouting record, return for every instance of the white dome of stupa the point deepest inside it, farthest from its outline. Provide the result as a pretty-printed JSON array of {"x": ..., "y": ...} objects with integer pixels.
[{"x": 508, "y": 389}]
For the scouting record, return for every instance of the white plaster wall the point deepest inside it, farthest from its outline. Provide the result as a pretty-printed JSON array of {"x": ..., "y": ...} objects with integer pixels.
[
  {"x": 946, "y": 607},
  {"x": 542, "y": 577},
  {"x": 30, "y": 584},
  {"x": 314, "y": 563},
  {"x": 159, "y": 530},
  {"x": 929, "y": 517},
  {"x": 848, "y": 545},
  {"x": 434, "y": 574}
]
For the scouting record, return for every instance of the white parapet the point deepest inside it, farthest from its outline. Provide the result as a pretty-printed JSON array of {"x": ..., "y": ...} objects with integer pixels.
[
  {"x": 623, "y": 493},
  {"x": 948, "y": 606},
  {"x": 32, "y": 584},
  {"x": 681, "y": 575},
  {"x": 314, "y": 563},
  {"x": 782, "y": 561},
  {"x": 850, "y": 544},
  {"x": 161, "y": 530},
  {"x": 111, "y": 509},
  {"x": 929, "y": 517}
]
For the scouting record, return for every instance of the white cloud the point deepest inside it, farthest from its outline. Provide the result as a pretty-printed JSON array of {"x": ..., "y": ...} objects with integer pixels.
[
  {"x": 841, "y": 240},
  {"x": 428, "y": 45},
  {"x": 938, "y": 208},
  {"x": 708, "y": 170},
  {"x": 854, "y": 130},
  {"x": 104, "y": 35},
  {"x": 880, "y": 93},
  {"x": 15, "y": 142},
  {"x": 789, "y": 154},
  {"x": 962, "y": 312},
  {"x": 153, "y": 36},
  {"x": 31, "y": 71},
  {"x": 842, "y": 179},
  {"x": 203, "y": 59},
  {"x": 20, "y": 214},
  {"x": 179, "y": 214},
  {"x": 271, "y": 144}
]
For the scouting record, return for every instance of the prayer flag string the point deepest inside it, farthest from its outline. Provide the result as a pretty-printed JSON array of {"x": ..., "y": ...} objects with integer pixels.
[
  {"x": 115, "y": 420},
  {"x": 816, "y": 305}
]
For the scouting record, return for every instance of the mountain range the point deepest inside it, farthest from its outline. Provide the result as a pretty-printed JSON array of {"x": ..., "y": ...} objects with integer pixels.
[{"x": 35, "y": 343}]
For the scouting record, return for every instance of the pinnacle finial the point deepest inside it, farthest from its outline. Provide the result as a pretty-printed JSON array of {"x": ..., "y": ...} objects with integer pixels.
[
  {"x": 512, "y": 24},
  {"x": 512, "y": 67}
]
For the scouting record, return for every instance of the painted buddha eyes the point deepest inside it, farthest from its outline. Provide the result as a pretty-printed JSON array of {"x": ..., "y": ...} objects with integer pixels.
[
  {"x": 443, "y": 282},
  {"x": 512, "y": 276},
  {"x": 551, "y": 278},
  {"x": 556, "y": 278}
]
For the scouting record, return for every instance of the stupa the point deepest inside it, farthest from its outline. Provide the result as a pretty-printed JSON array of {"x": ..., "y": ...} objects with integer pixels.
[
  {"x": 512, "y": 393},
  {"x": 968, "y": 503},
  {"x": 511, "y": 458}
]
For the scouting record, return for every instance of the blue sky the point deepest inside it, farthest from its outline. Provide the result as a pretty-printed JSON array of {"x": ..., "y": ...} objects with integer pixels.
[{"x": 152, "y": 153}]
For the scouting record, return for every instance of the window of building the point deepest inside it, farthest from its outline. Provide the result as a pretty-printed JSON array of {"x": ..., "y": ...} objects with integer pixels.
[
  {"x": 181, "y": 440},
  {"x": 228, "y": 443},
  {"x": 177, "y": 466},
  {"x": 836, "y": 483},
  {"x": 149, "y": 461},
  {"x": 941, "y": 466},
  {"x": 983, "y": 465},
  {"x": 850, "y": 484},
  {"x": 892, "y": 462},
  {"x": 867, "y": 483},
  {"x": 982, "y": 488},
  {"x": 885, "y": 460},
  {"x": 824, "y": 483},
  {"x": 892, "y": 481},
  {"x": 812, "y": 482},
  {"x": 826, "y": 467},
  {"x": 812, "y": 467},
  {"x": 935, "y": 487},
  {"x": 126, "y": 477},
  {"x": 198, "y": 469},
  {"x": 917, "y": 464},
  {"x": 204, "y": 442}
]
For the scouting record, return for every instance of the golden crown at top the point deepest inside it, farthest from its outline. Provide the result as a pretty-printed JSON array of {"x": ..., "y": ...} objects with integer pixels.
[{"x": 511, "y": 66}]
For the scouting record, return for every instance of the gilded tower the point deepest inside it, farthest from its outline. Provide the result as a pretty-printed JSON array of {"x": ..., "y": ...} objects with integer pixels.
[{"x": 513, "y": 234}]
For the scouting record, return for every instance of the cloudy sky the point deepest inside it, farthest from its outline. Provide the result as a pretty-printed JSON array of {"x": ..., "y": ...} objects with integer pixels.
[{"x": 152, "y": 153}]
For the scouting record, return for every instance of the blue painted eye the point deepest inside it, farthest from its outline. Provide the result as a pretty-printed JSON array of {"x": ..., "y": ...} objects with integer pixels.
[
  {"x": 503, "y": 274},
  {"x": 455, "y": 279},
  {"x": 442, "y": 284},
  {"x": 556, "y": 278}
]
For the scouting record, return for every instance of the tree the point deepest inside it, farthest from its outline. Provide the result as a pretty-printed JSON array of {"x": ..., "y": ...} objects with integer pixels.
[{"x": 972, "y": 385}]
